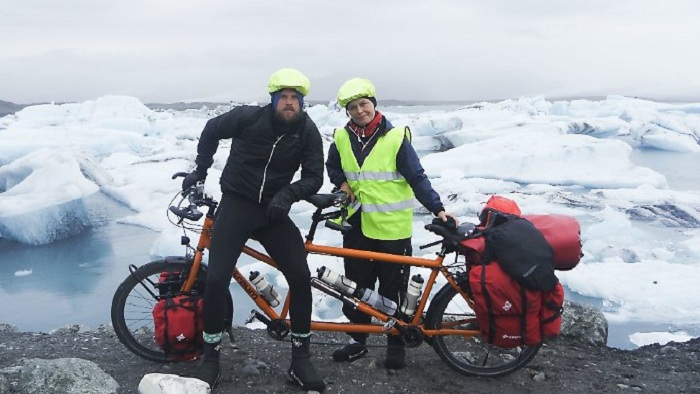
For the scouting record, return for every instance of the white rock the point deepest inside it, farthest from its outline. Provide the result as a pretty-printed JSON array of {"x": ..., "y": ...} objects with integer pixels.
[{"x": 160, "y": 383}]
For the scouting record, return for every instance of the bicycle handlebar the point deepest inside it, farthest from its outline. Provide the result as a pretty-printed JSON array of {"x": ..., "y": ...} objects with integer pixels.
[{"x": 195, "y": 195}]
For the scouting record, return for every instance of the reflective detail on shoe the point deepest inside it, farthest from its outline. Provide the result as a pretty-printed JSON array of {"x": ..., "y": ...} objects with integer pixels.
[
  {"x": 212, "y": 338},
  {"x": 295, "y": 378}
]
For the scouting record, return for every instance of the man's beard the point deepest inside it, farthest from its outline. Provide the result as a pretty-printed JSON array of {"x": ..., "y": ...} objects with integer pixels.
[{"x": 283, "y": 117}]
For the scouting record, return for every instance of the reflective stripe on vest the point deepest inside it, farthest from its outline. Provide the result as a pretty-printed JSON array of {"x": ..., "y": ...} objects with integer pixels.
[
  {"x": 373, "y": 176},
  {"x": 385, "y": 196}
]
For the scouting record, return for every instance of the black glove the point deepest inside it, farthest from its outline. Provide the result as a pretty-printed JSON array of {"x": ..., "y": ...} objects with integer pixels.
[
  {"x": 280, "y": 205},
  {"x": 193, "y": 177}
]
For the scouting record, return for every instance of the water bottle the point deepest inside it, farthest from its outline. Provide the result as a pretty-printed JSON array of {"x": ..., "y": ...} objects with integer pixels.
[
  {"x": 377, "y": 301},
  {"x": 265, "y": 288},
  {"x": 415, "y": 285},
  {"x": 337, "y": 281}
]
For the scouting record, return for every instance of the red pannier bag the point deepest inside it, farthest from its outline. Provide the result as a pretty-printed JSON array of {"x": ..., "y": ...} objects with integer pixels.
[
  {"x": 563, "y": 233},
  {"x": 507, "y": 313},
  {"x": 178, "y": 319},
  {"x": 179, "y": 323}
]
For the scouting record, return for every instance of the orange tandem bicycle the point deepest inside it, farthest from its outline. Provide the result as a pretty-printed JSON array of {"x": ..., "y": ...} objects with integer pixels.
[{"x": 444, "y": 318}]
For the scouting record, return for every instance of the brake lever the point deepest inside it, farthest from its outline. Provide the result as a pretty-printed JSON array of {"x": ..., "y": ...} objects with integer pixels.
[
  {"x": 345, "y": 227},
  {"x": 335, "y": 226}
]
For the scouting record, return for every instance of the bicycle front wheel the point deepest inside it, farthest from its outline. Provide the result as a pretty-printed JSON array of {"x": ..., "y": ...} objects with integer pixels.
[
  {"x": 135, "y": 298},
  {"x": 470, "y": 354}
]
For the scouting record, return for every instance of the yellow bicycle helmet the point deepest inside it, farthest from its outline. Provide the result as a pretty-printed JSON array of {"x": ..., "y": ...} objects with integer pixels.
[
  {"x": 289, "y": 78},
  {"x": 355, "y": 88}
]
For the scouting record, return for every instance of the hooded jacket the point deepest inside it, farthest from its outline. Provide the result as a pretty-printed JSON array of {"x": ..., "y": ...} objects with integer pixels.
[{"x": 265, "y": 154}]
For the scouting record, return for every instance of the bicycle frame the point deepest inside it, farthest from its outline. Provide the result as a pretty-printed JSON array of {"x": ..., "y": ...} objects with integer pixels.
[
  {"x": 449, "y": 324},
  {"x": 392, "y": 324}
]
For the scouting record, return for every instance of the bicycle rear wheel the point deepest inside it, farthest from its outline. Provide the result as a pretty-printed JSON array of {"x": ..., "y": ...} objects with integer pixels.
[
  {"x": 470, "y": 355},
  {"x": 137, "y": 295}
]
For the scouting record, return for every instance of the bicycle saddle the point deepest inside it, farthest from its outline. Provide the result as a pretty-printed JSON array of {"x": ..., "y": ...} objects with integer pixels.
[{"x": 323, "y": 201}]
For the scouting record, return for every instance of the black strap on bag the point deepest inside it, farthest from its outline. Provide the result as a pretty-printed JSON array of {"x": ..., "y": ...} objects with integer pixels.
[
  {"x": 169, "y": 304},
  {"x": 523, "y": 315},
  {"x": 487, "y": 298},
  {"x": 489, "y": 307},
  {"x": 551, "y": 305}
]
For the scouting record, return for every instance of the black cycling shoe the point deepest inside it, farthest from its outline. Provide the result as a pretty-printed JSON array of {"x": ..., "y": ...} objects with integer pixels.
[
  {"x": 350, "y": 352},
  {"x": 210, "y": 372},
  {"x": 395, "y": 353},
  {"x": 302, "y": 371}
]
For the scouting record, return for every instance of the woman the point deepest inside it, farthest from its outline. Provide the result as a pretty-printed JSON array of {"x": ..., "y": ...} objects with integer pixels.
[{"x": 374, "y": 163}]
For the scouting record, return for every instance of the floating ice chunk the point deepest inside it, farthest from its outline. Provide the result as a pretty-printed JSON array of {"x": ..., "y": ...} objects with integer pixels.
[
  {"x": 23, "y": 272},
  {"x": 662, "y": 338},
  {"x": 41, "y": 195}
]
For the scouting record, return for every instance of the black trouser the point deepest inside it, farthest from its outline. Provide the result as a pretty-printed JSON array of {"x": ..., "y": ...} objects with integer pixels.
[
  {"x": 239, "y": 219},
  {"x": 393, "y": 278}
]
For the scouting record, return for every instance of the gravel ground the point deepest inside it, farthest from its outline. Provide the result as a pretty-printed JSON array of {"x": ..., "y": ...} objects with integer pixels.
[{"x": 562, "y": 366}]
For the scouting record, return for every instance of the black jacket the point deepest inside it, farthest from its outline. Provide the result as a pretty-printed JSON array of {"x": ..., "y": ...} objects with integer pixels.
[
  {"x": 407, "y": 163},
  {"x": 264, "y": 154}
]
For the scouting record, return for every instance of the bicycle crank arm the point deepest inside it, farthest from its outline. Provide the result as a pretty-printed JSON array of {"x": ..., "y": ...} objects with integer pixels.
[{"x": 257, "y": 315}]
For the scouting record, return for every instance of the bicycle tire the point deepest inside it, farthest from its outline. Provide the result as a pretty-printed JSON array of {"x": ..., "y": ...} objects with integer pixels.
[
  {"x": 133, "y": 304},
  {"x": 470, "y": 355}
]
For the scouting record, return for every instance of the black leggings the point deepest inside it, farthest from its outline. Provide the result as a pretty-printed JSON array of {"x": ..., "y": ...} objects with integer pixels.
[
  {"x": 393, "y": 278},
  {"x": 239, "y": 219}
]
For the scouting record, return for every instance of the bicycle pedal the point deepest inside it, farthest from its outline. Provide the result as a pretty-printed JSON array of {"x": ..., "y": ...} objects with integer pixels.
[{"x": 251, "y": 317}]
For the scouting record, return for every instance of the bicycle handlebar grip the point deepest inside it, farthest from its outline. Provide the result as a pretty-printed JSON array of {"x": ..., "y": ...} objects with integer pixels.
[
  {"x": 438, "y": 229},
  {"x": 333, "y": 225},
  {"x": 189, "y": 214},
  {"x": 344, "y": 228},
  {"x": 341, "y": 199}
]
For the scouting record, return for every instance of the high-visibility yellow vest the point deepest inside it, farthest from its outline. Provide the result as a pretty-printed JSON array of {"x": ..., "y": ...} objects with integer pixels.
[{"x": 382, "y": 193}]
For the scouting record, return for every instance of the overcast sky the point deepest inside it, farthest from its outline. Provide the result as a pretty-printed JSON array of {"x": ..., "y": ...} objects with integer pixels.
[{"x": 222, "y": 50}]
